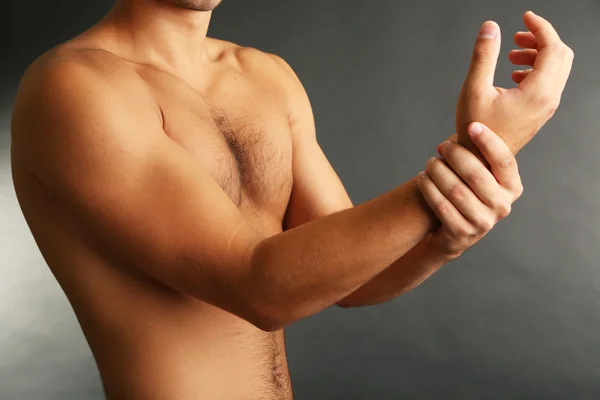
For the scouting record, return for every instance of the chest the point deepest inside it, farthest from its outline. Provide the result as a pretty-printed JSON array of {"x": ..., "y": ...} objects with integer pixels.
[{"x": 239, "y": 132}]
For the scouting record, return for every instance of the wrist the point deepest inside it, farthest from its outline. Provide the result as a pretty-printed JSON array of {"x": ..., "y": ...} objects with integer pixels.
[{"x": 442, "y": 247}]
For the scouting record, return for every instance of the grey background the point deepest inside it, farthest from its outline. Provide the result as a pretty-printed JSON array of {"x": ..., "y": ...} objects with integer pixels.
[{"x": 517, "y": 317}]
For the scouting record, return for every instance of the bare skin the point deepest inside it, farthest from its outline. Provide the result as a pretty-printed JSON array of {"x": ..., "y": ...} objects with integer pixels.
[{"x": 176, "y": 189}]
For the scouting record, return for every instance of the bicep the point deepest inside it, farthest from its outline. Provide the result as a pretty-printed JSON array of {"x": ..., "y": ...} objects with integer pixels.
[
  {"x": 142, "y": 199},
  {"x": 317, "y": 189}
]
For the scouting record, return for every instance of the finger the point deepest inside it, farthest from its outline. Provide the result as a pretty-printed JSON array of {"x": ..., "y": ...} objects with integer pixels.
[
  {"x": 519, "y": 75},
  {"x": 525, "y": 40},
  {"x": 474, "y": 173},
  {"x": 553, "y": 63},
  {"x": 455, "y": 190},
  {"x": 543, "y": 31},
  {"x": 446, "y": 212},
  {"x": 452, "y": 138},
  {"x": 523, "y": 57},
  {"x": 501, "y": 159},
  {"x": 485, "y": 56}
]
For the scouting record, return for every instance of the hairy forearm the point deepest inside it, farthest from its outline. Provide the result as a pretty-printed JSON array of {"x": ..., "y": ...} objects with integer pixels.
[
  {"x": 405, "y": 274},
  {"x": 305, "y": 269}
]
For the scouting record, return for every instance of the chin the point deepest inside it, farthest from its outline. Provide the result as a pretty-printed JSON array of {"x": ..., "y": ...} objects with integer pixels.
[{"x": 195, "y": 5}]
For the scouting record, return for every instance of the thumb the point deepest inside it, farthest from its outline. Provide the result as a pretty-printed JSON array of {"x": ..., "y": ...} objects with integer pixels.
[{"x": 485, "y": 56}]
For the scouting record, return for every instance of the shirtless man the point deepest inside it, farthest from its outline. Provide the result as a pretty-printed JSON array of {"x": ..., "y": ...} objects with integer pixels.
[{"x": 175, "y": 187}]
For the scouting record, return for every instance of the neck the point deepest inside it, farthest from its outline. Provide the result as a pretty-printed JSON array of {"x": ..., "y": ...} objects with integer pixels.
[{"x": 161, "y": 33}]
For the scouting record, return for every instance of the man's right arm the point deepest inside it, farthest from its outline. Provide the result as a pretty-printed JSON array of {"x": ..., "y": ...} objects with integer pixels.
[{"x": 95, "y": 139}]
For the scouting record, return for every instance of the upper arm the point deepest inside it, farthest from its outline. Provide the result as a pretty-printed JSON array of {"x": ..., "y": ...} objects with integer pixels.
[
  {"x": 98, "y": 145},
  {"x": 317, "y": 189}
]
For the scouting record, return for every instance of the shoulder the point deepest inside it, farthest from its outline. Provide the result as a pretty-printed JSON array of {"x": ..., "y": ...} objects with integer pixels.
[
  {"x": 250, "y": 58},
  {"x": 70, "y": 79},
  {"x": 75, "y": 69},
  {"x": 268, "y": 64},
  {"x": 259, "y": 65},
  {"x": 276, "y": 73},
  {"x": 75, "y": 97}
]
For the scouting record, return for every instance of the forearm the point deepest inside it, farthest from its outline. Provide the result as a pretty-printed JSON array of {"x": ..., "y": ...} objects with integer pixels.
[
  {"x": 405, "y": 274},
  {"x": 305, "y": 269},
  {"x": 468, "y": 212}
]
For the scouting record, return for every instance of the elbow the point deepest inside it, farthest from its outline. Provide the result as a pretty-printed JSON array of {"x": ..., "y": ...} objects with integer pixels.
[
  {"x": 345, "y": 304},
  {"x": 253, "y": 312},
  {"x": 271, "y": 318},
  {"x": 350, "y": 301},
  {"x": 357, "y": 305},
  {"x": 272, "y": 303},
  {"x": 267, "y": 320},
  {"x": 268, "y": 324},
  {"x": 272, "y": 313},
  {"x": 265, "y": 306},
  {"x": 275, "y": 315},
  {"x": 266, "y": 312}
]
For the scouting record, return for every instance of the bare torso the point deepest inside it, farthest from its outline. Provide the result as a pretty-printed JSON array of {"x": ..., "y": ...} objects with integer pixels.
[{"x": 150, "y": 341}]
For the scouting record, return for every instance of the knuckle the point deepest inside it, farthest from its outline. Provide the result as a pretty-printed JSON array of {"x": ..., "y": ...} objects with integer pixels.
[
  {"x": 450, "y": 150},
  {"x": 552, "y": 107},
  {"x": 503, "y": 210},
  {"x": 456, "y": 246},
  {"x": 482, "y": 53},
  {"x": 562, "y": 49},
  {"x": 519, "y": 189},
  {"x": 570, "y": 52},
  {"x": 485, "y": 224},
  {"x": 546, "y": 101},
  {"x": 430, "y": 167},
  {"x": 441, "y": 208},
  {"x": 556, "y": 101},
  {"x": 541, "y": 99},
  {"x": 556, "y": 46},
  {"x": 508, "y": 162},
  {"x": 462, "y": 231},
  {"x": 474, "y": 178},
  {"x": 547, "y": 25},
  {"x": 457, "y": 192}
]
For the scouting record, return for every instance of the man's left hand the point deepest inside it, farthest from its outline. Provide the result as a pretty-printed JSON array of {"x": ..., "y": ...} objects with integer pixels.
[{"x": 467, "y": 196}]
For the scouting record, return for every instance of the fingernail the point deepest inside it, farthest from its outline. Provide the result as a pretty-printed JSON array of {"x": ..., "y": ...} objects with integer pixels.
[
  {"x": 476, "y": 129},
  {"x": 488, "y": 30},
  {"x": 421, "y": 175},
  {"x": 432, "y": 159}
]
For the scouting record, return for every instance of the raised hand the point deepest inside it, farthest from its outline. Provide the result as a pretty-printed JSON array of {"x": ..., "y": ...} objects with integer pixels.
[
  {"x": 517, "y": 114},
  {"x": 467, "y": 197}
]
